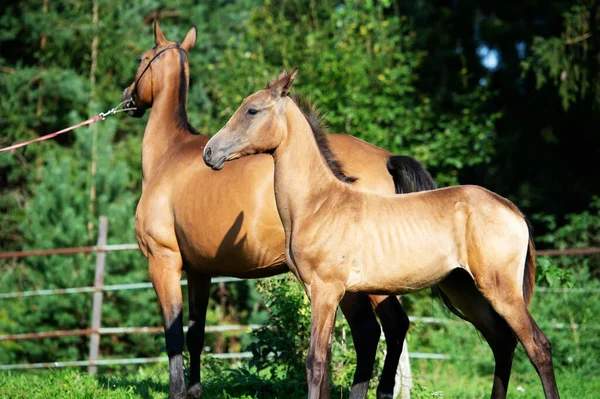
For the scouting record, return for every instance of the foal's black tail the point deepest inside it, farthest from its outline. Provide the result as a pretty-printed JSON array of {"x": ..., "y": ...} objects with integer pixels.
[{"x": 409, "y": 175}]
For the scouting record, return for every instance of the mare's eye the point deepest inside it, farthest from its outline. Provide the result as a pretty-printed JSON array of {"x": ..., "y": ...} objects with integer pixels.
[
  {"x": 139, "y": 59},
  {"x": 252, "y": 111}
]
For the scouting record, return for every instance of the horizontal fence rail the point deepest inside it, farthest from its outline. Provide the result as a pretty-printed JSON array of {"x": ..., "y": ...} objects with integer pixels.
[
  {"x": 120, "y": 331},
  {"x": 70, "y": 251},
  {"x": 161, "y": 359},
  {"x": 102, "y": 248},
  {"x": 111, "y": 287}
]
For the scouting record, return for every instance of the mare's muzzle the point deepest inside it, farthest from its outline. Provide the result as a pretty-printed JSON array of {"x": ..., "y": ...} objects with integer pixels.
[{"x": 130, "y": 103}]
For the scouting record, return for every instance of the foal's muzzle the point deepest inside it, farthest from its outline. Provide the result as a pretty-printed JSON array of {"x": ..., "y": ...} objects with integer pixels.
[{"x": 212, "y": 159}]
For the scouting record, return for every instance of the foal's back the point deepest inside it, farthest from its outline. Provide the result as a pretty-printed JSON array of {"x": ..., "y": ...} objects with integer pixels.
[{"x": 402, "y": 244}]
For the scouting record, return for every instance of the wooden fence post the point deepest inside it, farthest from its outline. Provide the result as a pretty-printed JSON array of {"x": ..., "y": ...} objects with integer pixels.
[{"x": 97, "y": 301}]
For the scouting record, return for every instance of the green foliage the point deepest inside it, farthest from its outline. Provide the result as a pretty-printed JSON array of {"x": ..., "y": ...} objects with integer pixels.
[
  {"x": 567, "y": 61},
  {"x": 284, "y": 340},
  {"x": 359, "y": 63},
  {"x": 58, "y": 215},
  {"x": 581, "y": 230}
]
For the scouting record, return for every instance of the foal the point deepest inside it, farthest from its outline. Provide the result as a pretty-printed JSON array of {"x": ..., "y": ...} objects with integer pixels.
[
  {"x": 340, "y": 239},
  {"x": 193, "y": 220}
]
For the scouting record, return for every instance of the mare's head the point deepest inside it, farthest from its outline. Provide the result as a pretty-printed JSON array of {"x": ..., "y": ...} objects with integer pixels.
[
  {"x": 258, "y": 125},
  {"x": 163, "y": 63}
]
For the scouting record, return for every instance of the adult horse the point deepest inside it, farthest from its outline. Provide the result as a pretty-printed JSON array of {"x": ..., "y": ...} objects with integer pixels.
[
  {"x": 192, "y": 219},
  {"x": 340, "y": 238}
]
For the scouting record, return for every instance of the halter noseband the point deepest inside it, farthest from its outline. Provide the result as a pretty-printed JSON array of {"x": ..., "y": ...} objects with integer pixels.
[{"x": 173, "y": 46}]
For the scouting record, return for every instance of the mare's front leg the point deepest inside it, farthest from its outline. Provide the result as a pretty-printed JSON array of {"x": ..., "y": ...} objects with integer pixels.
[
  {"x": 198, "y": 293},
  {"x": 366, "y": 332},
  {"x": 325, "y": 298},
  {"x": 165, "y": 273},
  {"x": 395, "y": 325}
]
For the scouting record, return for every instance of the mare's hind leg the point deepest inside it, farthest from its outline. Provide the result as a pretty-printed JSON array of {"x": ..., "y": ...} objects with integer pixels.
[
  {"x": 395, "y": 326},
  {"x": 507, "y": 300},
  {"x": 165, "y": 273},
  {"x": 365, "y": 334},
  {"x": 462, "y": 293},
  {"x": 198, "y": 295},
  {"x": 358, "y": 310}
]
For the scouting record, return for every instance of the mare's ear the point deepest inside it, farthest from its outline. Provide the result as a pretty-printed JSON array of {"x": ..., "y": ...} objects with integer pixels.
[
  {"x": 159, "y": 37},
  {"x": 190, "y": 39},
  {"x": 280, "y": 87}
]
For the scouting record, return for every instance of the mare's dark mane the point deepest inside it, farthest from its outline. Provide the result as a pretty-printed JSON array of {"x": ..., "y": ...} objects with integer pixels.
[
  {"x": 319, "y": 129},
  {"x": 181, "y": 111}
]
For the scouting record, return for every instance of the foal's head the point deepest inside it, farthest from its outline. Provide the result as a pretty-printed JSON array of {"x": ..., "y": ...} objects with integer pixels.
[
  {"x": 257, "y": 126},
  {"x": 166, "y": 61}
]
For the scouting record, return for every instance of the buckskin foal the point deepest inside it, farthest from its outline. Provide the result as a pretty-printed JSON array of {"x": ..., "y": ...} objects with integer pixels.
[{"x": 341, "y": 238}]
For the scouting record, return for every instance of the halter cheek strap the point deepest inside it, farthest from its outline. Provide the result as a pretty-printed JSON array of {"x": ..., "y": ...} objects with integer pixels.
[{"x": 173, "y": 46}]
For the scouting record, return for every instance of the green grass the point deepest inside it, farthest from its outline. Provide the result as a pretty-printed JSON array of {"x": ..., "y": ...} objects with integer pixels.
[
  {"x": 432, "y": 378},
  {"x": 74, "y": 383}
]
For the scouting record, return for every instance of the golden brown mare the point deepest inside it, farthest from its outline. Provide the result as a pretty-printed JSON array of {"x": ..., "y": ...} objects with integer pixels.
[
  {"x": 207, "y": 224},
  {"x": 341, "y": 238}
]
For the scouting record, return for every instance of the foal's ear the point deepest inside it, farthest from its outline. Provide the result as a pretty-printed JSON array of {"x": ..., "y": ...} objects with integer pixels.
[
  {"x": 190, "y": 39},
  {"x": 272, "y": 83},
  {"x": 159, "y": 37},
  {"x": 281, "y": 75},
  {"x": 281, "y": 86}
]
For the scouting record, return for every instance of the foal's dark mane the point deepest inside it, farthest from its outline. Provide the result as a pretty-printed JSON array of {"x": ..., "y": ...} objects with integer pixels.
[
  {"x": 181, "y": 111},
  {"x": 319, "y": 129}
]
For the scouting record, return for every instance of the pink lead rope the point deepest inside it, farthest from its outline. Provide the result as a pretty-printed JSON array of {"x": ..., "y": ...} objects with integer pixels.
[
  {"x": 49, "y": 136},
  {"x": 100, "y": 117}
]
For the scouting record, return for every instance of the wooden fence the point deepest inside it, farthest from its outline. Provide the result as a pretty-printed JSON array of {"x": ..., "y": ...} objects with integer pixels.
[{"x": 96, "y": 330}]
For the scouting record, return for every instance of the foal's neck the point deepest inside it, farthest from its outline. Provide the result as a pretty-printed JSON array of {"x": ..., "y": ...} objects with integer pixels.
[
  {"x": 303, "y": 179},
  {"x": 168, "y": 124}
]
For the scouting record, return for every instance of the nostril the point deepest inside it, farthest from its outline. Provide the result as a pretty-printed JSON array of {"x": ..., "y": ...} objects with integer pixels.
[{"x": 208, "y": 152}]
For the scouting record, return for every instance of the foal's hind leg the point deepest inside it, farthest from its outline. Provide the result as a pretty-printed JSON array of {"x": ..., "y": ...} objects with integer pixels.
[
  {"x": 198, "y": 293},
  {"x": 513, "y": 309},
  {"x": 460, "y": 289}
]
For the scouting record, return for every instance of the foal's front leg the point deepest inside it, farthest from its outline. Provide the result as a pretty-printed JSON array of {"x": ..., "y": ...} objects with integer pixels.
[{"x": 325, "y": 298}]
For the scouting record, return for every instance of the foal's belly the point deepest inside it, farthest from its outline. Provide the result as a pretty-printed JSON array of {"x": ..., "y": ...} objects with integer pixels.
[
  {"x": 404, "y": 269},
  {"x": 403, "y": 279}
]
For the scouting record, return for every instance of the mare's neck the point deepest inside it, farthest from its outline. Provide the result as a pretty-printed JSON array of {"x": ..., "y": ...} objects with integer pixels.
[
  {"x": 303, "y": 180},
  {"x": 168, "y": 124}
]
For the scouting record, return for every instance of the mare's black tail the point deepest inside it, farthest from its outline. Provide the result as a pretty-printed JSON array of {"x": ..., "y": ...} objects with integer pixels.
[{"x": 409, "y": 175}]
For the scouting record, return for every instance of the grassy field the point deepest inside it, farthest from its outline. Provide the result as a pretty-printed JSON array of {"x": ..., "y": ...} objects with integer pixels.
[{"x": 448, "y": 379}]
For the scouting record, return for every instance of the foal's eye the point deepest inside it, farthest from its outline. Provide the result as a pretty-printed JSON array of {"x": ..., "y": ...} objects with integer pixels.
[{"x": 252, "y": 111}]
